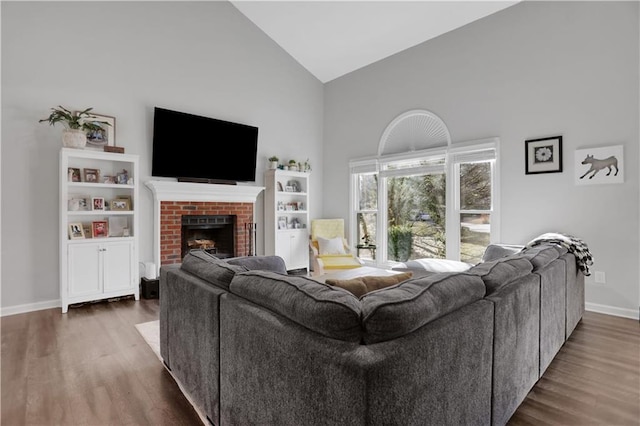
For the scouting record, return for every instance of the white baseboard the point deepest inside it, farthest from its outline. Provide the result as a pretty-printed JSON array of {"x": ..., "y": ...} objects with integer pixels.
[
  {"x": 30, "y": 307},
  {"x": 611, "y": 310}
]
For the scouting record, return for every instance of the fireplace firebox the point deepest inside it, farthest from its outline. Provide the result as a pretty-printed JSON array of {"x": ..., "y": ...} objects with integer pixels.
[{"x": 212, "y": 233}]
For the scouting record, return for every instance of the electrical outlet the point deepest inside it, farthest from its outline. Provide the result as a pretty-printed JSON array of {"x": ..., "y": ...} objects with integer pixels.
[{"x": 600, "y": 277}]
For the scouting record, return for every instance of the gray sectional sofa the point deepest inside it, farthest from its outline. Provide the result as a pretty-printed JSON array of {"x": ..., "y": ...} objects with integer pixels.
[{"x": 251, "y": 345}]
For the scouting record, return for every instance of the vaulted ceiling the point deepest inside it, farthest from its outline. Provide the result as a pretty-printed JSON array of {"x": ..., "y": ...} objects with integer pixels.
[{"x": 333, "y": 38}]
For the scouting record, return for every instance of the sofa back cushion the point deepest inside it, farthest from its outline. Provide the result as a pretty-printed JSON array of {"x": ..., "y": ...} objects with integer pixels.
[
  {"x": 329, "y": 311},
  {"x": 396, "y": 311},
  {"x": 502, "y": 271},
  {"x": 210, "y": 268},
  {"x": 263, "y": 263},
  {"x": 542, "y": 255}
]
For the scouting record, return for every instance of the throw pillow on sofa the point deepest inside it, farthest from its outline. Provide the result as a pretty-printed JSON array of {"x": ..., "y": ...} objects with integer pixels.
[
  {"x": 354, "y": 285},
  {"x": 363, "y": 285},
  {"x": 427, "y": 266}
]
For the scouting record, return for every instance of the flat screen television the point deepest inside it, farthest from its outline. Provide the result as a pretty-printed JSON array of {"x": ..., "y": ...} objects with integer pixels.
[{"x": 202, "y": 149}]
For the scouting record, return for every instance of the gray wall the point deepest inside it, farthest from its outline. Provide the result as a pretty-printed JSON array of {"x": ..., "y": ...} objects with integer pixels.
[
  {"x": 124, "y": 58},
  {"x": 536, "y": 69}
]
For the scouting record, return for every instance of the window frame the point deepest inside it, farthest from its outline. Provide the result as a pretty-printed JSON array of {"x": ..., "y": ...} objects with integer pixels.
[{"x": 454, "y": 155}]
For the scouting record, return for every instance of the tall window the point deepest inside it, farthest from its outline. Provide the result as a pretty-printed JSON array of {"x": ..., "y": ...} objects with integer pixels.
[{"x": 438, "y": 203}]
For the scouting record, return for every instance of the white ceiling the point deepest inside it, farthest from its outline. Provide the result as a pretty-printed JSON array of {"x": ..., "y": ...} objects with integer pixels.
[{"x": 333, "y": 38}]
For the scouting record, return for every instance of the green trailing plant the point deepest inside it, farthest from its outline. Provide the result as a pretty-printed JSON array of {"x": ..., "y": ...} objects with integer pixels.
[
  {"x": 74, "y": 120},
  {"x": 274, "y": 158}
]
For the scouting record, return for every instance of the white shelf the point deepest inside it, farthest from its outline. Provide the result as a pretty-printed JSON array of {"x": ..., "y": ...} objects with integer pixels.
[
  {"x": 101, "y": 212},
  {"x": 100, "y": 239},
  {"x": 292, "y": 244},
  {"x": 91, "y": 185},
  {"x": 101, "y": 267}
]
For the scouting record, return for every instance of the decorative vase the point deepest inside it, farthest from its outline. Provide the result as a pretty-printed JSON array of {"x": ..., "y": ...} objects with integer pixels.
[
  {"x": 273, "y": 165},
  {"x": 74, "y": 138}
]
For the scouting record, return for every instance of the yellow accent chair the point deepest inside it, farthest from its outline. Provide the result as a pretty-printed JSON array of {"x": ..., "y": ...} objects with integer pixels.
[{"x": 329, "y": 247}]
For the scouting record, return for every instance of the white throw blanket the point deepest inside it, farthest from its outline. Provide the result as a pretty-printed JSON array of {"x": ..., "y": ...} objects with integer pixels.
[{"x": 574, "y": 245}]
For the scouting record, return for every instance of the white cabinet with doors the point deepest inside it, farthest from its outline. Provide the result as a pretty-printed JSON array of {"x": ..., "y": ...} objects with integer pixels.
[
  {"x": 287, "y": 217},
  {"x": 98, "y": 226}
]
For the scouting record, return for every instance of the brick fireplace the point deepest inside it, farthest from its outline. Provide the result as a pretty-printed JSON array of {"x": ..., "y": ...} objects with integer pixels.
[
  {"x": 171, "y": 226},
  {"x": 175, "y": 200}
]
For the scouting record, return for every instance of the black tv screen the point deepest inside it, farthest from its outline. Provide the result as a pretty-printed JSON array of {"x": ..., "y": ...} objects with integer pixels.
[{"x": 197, "y": 148}]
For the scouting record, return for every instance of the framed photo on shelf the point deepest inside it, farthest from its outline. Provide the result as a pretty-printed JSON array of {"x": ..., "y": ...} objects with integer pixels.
[
  {"x": 120, "y": 204},
  {"x": 543, "y": 155},
  {"x": 74, "y": 174},
  {"x": 97, "y": 203},
  {"x": 99, "y": 228},
  {"x": 108, "y": 179},
  {"x": 282, "y": 223},
  {"x": 76, "y": 232},
  {"x": 295, "y": 185},
  {"x": 91, "y": 175},
  {"x": 83, "y": 203},
  {"x": 122, "y": 178},
  {"x": 106, "y": 136}
]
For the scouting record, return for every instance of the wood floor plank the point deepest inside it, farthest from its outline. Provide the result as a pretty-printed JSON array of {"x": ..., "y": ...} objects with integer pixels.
[{"x": 92, "y": 367}]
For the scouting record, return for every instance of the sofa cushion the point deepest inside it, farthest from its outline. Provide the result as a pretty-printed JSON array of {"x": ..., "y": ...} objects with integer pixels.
[
  {"x": 362, "y": 285},
  {"x": 502, "y": 271},
  {"x": 542, "y": 255},
  {"x": 496, "y": 251},
  {"x": 404, "y": 308},
  {"x": 210, "y": 268},
  {"x": 264, "y": 263},
  {"x": 320, "y": 307}
]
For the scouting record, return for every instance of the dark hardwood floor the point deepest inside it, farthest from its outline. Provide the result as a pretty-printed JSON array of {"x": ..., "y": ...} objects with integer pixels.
[{"x": 92, "y": 367}]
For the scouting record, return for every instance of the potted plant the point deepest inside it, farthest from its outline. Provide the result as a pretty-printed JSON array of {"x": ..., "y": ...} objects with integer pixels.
[
  {"x": 293, "y": 165},
  {"x": 273, "y": 162},
  {"x": 75, "y": 125}
]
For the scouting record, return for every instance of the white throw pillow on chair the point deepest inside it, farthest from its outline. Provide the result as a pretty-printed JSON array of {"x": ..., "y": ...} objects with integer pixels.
[{"x": 330, "y": 246}]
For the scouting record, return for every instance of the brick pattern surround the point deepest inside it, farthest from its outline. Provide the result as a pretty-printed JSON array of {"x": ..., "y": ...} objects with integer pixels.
[{"x": 171, "y": 213}]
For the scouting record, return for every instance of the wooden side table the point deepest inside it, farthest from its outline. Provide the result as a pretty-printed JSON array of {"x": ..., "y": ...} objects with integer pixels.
[{"x": 370, "y": 247}]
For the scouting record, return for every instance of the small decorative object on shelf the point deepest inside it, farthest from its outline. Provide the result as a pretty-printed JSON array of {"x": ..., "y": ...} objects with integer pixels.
[
  {"x": 307, "y": 166},
  {"x": 116, "y": 149},
  {"x": 76, "y": 127},
  {"x": 293, "y": 165},
  {"x": 273, "y": 162}
]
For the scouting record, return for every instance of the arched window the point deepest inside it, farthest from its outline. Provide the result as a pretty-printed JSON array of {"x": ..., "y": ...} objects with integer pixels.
[{"x": 423, "y": 196}]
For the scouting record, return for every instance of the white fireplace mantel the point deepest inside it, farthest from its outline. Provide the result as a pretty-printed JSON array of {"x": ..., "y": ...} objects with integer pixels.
[{"x": 185, "y": 191}]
